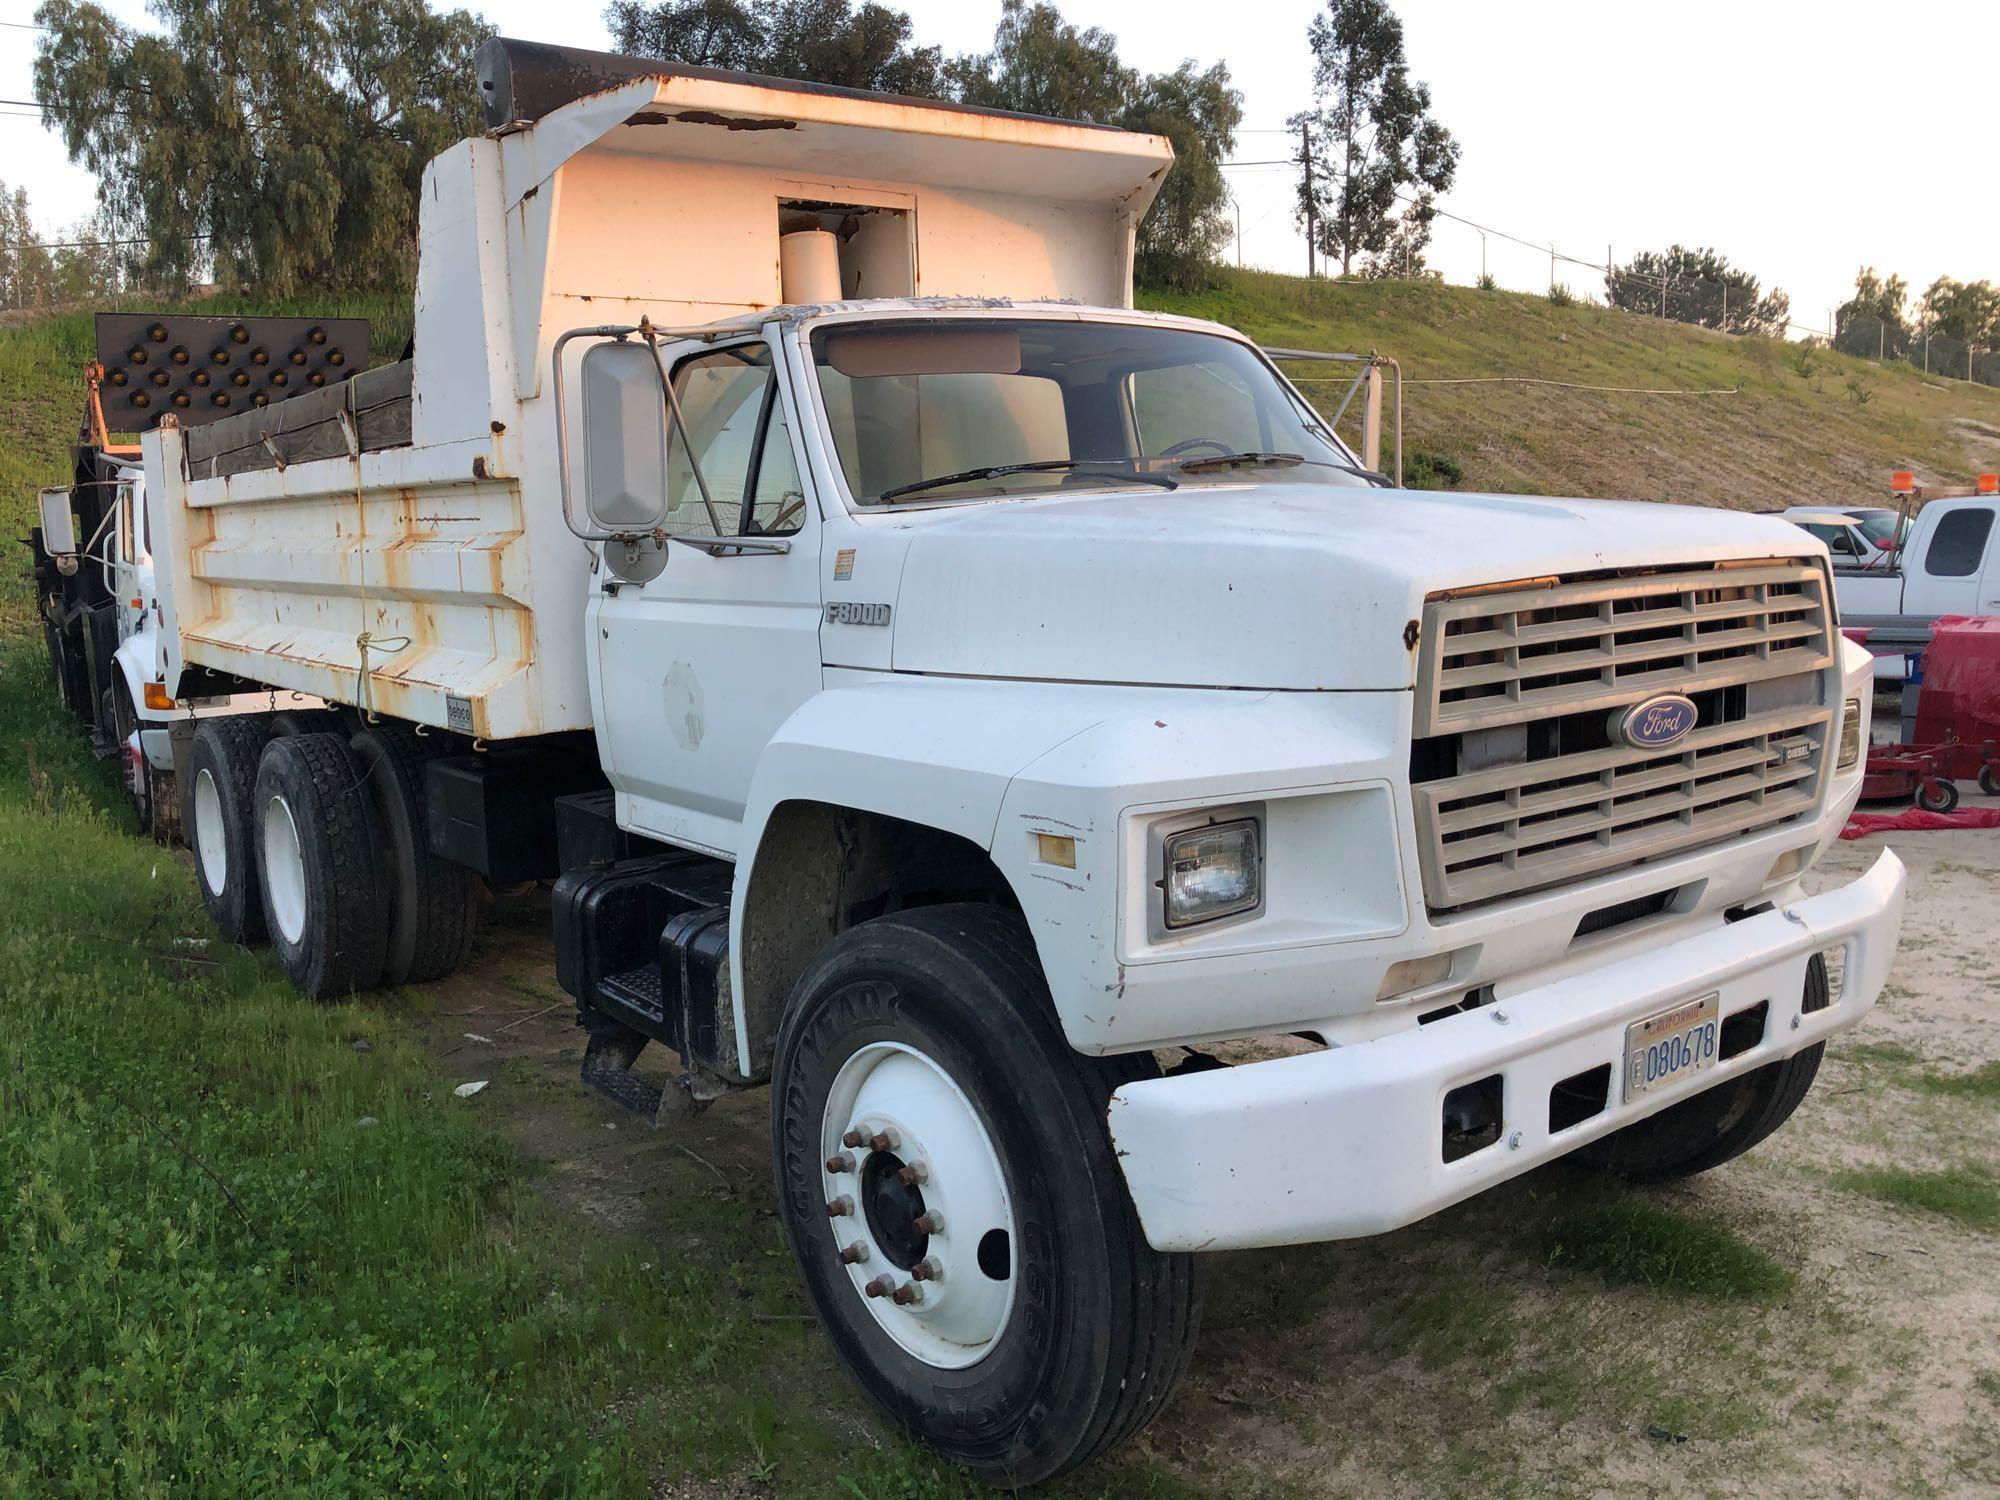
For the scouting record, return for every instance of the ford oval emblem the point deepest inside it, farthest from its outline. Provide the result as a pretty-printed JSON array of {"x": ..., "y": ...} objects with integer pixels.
[{"x": 1658, "y": 722}]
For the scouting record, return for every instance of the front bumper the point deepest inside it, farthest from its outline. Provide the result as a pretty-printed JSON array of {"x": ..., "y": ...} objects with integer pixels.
[{"x": 1349, "y": 1141}]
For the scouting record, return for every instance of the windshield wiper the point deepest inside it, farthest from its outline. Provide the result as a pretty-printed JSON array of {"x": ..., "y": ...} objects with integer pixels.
[
  {"x": 1046, "y": 465},
  {"x": 1203, "y": 461}
]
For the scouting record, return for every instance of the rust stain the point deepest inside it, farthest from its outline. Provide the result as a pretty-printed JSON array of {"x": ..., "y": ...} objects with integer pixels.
[{"x": 708, "y": 117}]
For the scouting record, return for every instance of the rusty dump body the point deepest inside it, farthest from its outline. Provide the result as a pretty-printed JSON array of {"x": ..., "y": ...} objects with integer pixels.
[{"x": 401, "y": 545}]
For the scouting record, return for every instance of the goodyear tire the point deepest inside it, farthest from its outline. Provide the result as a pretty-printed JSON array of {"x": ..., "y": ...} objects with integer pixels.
[
  {"x": 1718, "y": 1124},
  {"x": 320, "y": 868},
  {"x": 432, "y": 902},
  {"x": 222, "y": 776},
  {"x": 949, "y": 1191}
]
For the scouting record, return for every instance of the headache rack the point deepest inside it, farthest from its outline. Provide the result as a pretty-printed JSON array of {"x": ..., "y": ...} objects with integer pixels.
[{"x": 1519, "y": 777}]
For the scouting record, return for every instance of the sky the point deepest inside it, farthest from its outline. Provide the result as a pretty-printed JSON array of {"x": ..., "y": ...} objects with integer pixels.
[{"x": 1801, "y": 138}]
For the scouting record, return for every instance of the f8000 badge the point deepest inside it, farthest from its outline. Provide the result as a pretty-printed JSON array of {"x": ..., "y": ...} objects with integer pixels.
[
  {"x": 844, "y": 613},
  {"x": 1657, "y": 723}
]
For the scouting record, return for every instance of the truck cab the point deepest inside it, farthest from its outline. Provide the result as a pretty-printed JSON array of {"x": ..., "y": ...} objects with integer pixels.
[
  {"x": 1949, "y": 565},
  {"x": 960, "y": 702}
]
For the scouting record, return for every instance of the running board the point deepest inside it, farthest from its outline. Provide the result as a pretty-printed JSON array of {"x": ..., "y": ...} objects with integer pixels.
[{"x": 608, "y": 1058}]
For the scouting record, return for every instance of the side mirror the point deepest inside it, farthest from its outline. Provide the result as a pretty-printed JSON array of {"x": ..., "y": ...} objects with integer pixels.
[
  {"x": 1886, "y": 544},
  {"x": 58, "y": 524},
  {"x": 624, "y": 439}
]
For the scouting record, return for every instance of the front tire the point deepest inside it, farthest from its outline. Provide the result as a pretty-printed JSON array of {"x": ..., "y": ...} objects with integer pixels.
[
  {"x": 1718, "y": 1124},
  {"x": 1024, "y": 1325}
]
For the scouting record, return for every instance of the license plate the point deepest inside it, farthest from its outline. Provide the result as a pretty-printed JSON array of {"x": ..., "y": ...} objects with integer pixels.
[{"x": 1676, "y": 1043}]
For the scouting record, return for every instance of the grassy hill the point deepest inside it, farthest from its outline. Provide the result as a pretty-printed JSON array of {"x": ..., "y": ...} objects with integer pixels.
[{"x": 1803, "y": 427}]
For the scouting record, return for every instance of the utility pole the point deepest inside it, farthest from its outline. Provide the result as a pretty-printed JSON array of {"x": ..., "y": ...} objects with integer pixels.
[
  {"x": 1312, "y": 231},
  {"x": 1725, "y": 307},
  {"x": 1239, "y": 236},
  {"x": 1482, "y": 255}
]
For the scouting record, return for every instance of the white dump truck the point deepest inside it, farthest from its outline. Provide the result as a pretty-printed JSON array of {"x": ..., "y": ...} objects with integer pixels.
[{"x": 962, "y": 702}]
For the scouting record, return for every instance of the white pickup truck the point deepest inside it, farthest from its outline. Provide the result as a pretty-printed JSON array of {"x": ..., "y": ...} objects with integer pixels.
[
  {"x": 1948, "y": 565},
  {"x": 956, "y": 699}
]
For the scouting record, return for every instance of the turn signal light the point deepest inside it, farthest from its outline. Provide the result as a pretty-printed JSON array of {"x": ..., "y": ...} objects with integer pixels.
[{"x": 156, "y": 697}]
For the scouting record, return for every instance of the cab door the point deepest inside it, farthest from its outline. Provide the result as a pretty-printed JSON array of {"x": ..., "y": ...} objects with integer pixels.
[
  {"x": 1953, "y": 562},
  {"x": 699, "y": 666}
]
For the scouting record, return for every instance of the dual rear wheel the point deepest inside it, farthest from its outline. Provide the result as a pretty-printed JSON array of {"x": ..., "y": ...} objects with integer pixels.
[{"x": 318, "y": 842}]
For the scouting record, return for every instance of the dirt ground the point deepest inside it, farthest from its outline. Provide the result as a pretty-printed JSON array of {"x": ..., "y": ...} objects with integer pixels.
[{"x": 1464, "y": 1355}]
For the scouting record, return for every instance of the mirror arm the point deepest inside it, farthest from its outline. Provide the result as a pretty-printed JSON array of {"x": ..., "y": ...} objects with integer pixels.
[
  {"x": 620, "y": 332},
  {"x": 651, "y": 336}
]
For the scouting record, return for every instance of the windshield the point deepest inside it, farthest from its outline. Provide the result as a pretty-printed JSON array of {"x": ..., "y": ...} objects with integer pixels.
[
  {"x": 948, "y": 409},
  {"x": 1878, "y": 526}
]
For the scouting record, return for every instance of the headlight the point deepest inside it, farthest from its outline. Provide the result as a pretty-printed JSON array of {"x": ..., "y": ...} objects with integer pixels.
[
  {"x": 1850, "y": 734},
  {"x": 1212, "y": 872}
]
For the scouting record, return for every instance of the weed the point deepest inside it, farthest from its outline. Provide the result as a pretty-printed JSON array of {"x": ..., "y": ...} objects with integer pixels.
[
  {"x": 1424, "y": 470},
  {"x": 1859, "y": 391},
  {"x": 1966, "y": 1194},
  {"x": 1486, "y": 283},
  {"x": 1803, "y": 359},
  {"x": 1560, "y": 295},
  {"x": 1643, "y": 1243}
]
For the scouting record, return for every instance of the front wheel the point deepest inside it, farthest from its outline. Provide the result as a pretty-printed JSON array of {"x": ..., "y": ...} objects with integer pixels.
[{"x": 950, "y": 1195}]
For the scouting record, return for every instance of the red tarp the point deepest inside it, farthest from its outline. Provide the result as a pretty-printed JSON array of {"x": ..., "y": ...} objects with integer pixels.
[{"x": 1916, "y": 820}]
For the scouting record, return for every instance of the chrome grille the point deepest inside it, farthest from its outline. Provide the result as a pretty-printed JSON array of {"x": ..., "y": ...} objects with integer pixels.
[{"x": 1564, "y": 798}]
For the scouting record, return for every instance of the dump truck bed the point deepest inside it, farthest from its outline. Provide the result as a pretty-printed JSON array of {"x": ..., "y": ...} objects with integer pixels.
[{"x": 415, "y": 582}]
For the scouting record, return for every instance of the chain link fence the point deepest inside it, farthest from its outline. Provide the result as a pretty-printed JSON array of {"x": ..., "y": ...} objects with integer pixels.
[{"x": 1870, "y": 337}]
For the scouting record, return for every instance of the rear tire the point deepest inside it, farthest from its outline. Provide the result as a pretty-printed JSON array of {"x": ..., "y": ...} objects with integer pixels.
[
  {"x": 290, "y": 723},
  {"x": 1986, "y": 782},
  {"x": 222, "y": 778},
  {"x": 1718, "y": 1124},
  {"x": 319, "y": 866},
  {"x": 432, "y": 902},
  {"x": 936, "y": 1024}
]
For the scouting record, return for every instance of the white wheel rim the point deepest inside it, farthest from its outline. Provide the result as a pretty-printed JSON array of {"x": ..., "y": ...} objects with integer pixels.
[
  {"x": 955, "y": 1309},
  {"x": 209, "y": 845},
  {"x": 284, "y": 871}
]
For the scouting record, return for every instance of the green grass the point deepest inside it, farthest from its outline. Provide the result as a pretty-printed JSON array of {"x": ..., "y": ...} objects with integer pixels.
[
  {"x": 1645, "y": 1244},
  {"x": 1969, "y": 1195}
]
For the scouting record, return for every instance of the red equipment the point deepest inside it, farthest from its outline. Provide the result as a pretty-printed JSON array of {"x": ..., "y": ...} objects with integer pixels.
[{"x": 1958, "y": 720}]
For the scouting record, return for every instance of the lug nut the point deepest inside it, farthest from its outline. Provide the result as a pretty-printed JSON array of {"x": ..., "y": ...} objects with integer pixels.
[
  {"x": 916, "y": 1174},
  {"x": 927, "y": 1269},
  {"x": 839, "y": 1162},
  {"x": 853, "y": 1137},
  {"x": 905, "y": 1294},
  {"x": 855, "y": 1253},
  {"x": 881, "y": 1286},
  {"x": 930, "y": 1223},
  {"x": 884, "y": 1140},
  {"x": 839, "y": 1208}
]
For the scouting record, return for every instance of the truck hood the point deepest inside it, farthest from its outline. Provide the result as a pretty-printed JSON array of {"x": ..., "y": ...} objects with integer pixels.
[{"x": 1281, "y": 585}]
